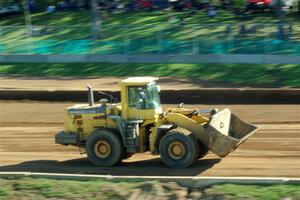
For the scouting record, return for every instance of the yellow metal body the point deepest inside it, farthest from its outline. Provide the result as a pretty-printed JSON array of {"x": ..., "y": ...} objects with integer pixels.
[
  {"x": 132, "y": 112},
  {"x": 102, "y": 149},
  {"x": 80, "y": 120},
  {"x": 84, "y": 123},
  {"x": 84, "y": 119},
  {"x": 176, "y": 150}
]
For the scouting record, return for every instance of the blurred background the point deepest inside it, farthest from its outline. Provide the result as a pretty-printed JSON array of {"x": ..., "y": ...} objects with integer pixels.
[
  {"x": 150, "y": 27},
  {"x": 248, "y": 42},
  {"x": 237, "y": 54}
]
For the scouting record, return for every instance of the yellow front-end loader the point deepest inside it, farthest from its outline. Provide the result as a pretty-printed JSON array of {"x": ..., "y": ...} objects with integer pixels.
[{"x": 111, "y": 131}]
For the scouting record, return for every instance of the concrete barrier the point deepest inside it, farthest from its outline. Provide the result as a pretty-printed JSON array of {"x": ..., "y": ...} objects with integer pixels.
[
  {"x": 198, "y": 96},
  {"x": 154, "y": 58}
]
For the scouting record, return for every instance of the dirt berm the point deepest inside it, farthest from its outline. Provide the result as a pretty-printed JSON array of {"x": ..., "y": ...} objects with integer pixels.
[{"x": 174, "y": 90}]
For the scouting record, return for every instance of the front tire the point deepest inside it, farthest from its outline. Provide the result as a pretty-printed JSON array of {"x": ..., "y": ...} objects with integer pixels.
[
  {"x": 104, "y": 148},
  {"x": 179, "y": 148}
]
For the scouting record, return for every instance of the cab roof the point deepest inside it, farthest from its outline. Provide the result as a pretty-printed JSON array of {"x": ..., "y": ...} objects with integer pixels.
[{"x": 138, "y": 80}]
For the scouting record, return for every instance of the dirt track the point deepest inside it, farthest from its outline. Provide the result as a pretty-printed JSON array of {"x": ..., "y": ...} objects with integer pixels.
[{"x": 27, "y": 130}]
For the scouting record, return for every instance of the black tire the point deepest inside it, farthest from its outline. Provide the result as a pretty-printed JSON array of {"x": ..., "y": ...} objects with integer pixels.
[
  {"x": 203, "y": 150},
  {"x": 183, "y": 138},
  {"x": 108, "y": 139}
]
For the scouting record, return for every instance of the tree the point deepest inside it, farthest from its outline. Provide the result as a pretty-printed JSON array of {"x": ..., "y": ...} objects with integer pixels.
[
  {"x": 96, "y": 19},
  {"x": 280, "y": 10},
  {"x": 27, "y": 16},
  {"x": 238, "y": 3}
]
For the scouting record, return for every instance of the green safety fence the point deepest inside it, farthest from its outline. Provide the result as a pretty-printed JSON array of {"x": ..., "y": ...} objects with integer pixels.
[{"x": 151, "y": 46}]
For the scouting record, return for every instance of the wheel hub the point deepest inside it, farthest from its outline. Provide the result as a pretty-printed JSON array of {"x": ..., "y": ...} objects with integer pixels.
[
  {"x": 102, "y": 149},
  {"x": 176, "y": 150}
]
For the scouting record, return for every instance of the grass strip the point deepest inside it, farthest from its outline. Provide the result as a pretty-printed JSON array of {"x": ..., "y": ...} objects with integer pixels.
[
  {"x": 45, "y": 188},
  {"x": 247, "y": 74}
]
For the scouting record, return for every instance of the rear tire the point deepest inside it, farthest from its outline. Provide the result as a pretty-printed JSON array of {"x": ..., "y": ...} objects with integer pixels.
[
  {"x": 104, "y": 148},
  {"x": 179, "y": 148}
]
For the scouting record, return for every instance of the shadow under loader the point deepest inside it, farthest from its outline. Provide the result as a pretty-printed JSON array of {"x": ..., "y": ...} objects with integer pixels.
[{"x": 149, "y": 167}]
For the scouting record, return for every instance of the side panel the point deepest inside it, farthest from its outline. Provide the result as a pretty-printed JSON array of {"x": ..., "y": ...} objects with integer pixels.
[
  {"x": 145, "y": 114},
  {"x": 85, "y": 124}
]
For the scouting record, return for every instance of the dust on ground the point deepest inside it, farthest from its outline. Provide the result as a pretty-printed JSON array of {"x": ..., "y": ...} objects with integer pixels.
[{"x": 27, "y": 132}]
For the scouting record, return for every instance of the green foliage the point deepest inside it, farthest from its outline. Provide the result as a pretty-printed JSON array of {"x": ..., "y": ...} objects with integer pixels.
[
  {"x": 247, "y": 74},
  {"x": 4, "y": 192},
  {"x": 277, "y": 75},
  {"x": 270, "y": 192},
  {"x": 7, "y": 1},
  {"x": 49, "y": 188},
  {"x": 42, "y": 188},
  {"x": 239, "y": 3},
  {"x": 139, "y": 18}
]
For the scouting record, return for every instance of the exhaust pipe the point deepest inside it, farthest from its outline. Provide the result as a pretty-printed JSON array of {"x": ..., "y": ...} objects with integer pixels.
[{"x": 90, "y": 95}]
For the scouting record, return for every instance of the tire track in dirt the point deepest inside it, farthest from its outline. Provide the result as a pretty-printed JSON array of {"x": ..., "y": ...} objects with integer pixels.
[{"x": 27, "y": 144}]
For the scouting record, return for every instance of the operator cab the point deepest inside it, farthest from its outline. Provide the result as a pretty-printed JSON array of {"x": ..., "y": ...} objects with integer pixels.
[{"x": 140, "y": 98}]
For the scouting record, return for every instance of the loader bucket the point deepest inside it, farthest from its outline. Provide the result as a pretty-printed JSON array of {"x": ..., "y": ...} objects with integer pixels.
[{"x": 226, "y": 132}]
